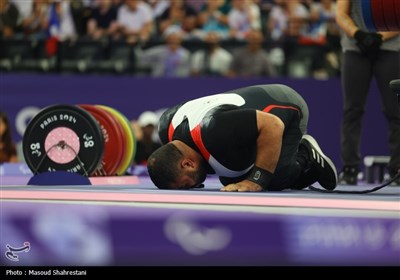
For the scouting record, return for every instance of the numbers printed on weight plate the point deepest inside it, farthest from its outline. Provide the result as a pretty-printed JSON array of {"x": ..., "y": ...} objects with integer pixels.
[
  {"x": 88, "y": 141},
  {"x": 35, "y": 147}
]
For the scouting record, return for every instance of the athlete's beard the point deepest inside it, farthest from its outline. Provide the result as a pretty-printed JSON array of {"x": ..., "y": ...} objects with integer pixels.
[{"x": 199, "y": 176}]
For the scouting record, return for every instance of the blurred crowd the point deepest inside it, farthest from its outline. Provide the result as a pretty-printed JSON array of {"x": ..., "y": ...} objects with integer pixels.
[{"x": 177, "y": 38}]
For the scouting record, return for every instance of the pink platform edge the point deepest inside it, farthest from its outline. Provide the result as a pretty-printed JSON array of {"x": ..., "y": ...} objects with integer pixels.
[{"x": 114, "y": 180}]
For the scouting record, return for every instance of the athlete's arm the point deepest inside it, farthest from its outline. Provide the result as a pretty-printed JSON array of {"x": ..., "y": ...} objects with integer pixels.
[{"x": 269, "y": 143}]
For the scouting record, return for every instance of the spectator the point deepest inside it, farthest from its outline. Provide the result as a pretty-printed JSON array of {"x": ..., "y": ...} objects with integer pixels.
[
  {"x": 252, "y": 60},
  {"x": 178, "y": 14},
  {"x": 212, "y": 61},
  {"x": 286, "y": 18},
  {"x": 167, "y": 60},
  {"x": 24, "y": 8},
  {"x": 35, "y": 23},
  {"x": 214, "y": 18},
  {"x": 323, "y": 36},
  {"x": 65, "y": 19},
  {"x": 287, "y": 22},
  {"x": 323, "y": 18},
  {"x": 197, "y": 4},
  {"x": 135, "y": 21},
  {"x": 147, "y": 140},
  {"x": 8, "y": 151},
  {"x": 103, "y": 20},
  {"x": 8, "y": 18},
  {"x": 158, "y": 6},
  {"x": 244, "y": 16}
]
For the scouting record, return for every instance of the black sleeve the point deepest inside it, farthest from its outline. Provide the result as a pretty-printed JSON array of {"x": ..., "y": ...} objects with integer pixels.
[{"x": 165, "y": 121}]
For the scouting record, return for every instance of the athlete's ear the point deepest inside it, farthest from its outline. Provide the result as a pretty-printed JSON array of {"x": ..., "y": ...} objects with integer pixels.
[{"x": 187, "y": 163}]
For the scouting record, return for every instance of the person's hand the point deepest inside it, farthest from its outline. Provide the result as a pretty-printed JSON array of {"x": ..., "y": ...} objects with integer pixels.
[
  {"x": 243, "y": 186},
  {"x": 369, "y": 43}
]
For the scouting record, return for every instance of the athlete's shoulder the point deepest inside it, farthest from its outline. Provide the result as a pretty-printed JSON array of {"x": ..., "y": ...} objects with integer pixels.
[
  {"x": 165, "y": 121},
  {"x": 168, "y": 114}
]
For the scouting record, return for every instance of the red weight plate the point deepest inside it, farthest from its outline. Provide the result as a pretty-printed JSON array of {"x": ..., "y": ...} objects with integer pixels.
[
  {"x": 130, "y": 142},
  {"x": 113, "y": 153},
  {"x": 389, "y": 12},
  {"x": 377, "y": 15},
  {"x": 123, "y": 138},
  {"x": 397, "y": 12}
]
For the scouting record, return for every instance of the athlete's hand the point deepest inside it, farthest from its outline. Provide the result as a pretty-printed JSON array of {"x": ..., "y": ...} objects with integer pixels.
[
  {"x": 369, "y": 43},
  {"x": 243, "y": 186}
]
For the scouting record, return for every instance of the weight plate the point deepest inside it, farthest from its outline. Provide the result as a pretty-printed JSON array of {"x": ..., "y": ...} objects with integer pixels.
[
  {"x": 130, "y": 139},
  {"x": 378, "y": 16},
  {"x": 389, "y": 12},
  {"x": 113, "y": 140},
  {"x": 63, "y": 138}
]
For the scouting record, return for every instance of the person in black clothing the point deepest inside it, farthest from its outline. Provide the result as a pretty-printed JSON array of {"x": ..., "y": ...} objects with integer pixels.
[
  {"x": 102, "y": 21},
  {"x": 8, "y": 19},
  {"x": 366, "y": 55},
  {"x": 254, "y": 138}
]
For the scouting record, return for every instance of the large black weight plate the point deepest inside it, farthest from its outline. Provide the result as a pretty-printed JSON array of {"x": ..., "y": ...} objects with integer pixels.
[{"x": 63, "y": 138}]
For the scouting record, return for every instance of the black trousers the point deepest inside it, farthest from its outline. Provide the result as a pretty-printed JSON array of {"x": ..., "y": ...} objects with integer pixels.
[{"x": 357, "y": 74}]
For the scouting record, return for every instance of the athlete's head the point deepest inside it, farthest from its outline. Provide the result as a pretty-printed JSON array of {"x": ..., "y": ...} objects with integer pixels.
[{"x": 173, "y": 168}]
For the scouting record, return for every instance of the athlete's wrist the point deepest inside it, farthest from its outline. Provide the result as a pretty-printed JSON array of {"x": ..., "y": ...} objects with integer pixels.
[{"x": 260, "y": 177}]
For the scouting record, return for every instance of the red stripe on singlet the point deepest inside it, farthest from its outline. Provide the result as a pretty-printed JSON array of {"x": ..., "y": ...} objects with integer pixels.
[
  {"x": 270, "y": 107},
  {"x": 196, "y": 136},
  {"x": 171, "y": 130}
]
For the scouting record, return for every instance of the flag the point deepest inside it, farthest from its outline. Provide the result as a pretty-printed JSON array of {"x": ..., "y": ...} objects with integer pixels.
[{"x": 53, "y": 30}]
